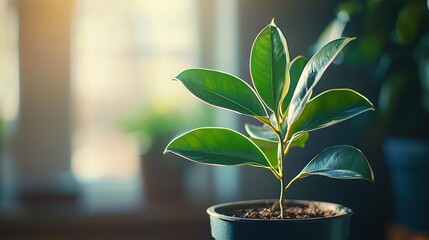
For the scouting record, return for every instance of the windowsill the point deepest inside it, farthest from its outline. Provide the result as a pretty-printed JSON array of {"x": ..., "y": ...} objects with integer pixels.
[{"x": 54, "y": 218}]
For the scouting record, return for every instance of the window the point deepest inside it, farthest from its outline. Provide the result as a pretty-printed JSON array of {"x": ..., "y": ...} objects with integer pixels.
[
  {"x": 123, "y": 55},
  {"x": 9, "y": 91},
  {"x": 9, "y": 94}
]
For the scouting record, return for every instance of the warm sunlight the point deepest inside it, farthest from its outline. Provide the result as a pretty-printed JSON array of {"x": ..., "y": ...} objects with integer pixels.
[
  {"x": 9, "y": 91},
  {"x": 124, "y": 54}
]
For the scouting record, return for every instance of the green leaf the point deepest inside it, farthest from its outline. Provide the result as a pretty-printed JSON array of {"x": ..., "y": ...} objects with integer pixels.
[
  {"x": 270, "y": 150},
  {"x": 265, "y": 119},
  {"x": 311, "y": 75},
  {"x": 331, "y": 107},
  {"x": 295, "y": 70},
  {"x": 299, "y": 140},
  {"x": 217, "y": 146},
  {"x": 261, "y": 132},
  {"x": 268, "y": 61},
  {"x": 345, "y": 162},
  {"x": 222, "y": 90}
]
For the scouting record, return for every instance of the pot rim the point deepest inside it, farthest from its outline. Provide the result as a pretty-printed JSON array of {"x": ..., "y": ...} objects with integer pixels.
[{"x": 344, "y": 211}]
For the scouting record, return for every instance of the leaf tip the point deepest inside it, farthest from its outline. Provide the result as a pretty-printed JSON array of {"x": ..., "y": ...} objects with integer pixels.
[
  {"x": 165, "y": 151},
  {"x": 372, "y": 179},
  {"x": 372, "y": 107},
  {"x": 167, "y": 148},
  {"x": 273, "y": 22}
]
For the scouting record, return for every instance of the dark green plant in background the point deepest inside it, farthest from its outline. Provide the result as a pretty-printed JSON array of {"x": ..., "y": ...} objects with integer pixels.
[
  {"x": 394, "y": 47},
  {"x": 153, "y": 124},
  {"x": 282, "y": 101}
]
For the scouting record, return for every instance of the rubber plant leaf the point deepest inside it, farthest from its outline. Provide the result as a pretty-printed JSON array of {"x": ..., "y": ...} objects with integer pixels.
[
  {"x": 222, "y": 90},
  {"x": 261, "y": 132},
  {"x": 299, "y": 140},
  {"x": 331, "y": 107},
  {"x": 217, "y": 146},
  {"x": 270, "y": 150},
  {"x": 311, "y": 75},
  {"x": 344, "y": 162},
  {"x": 268, "y": 61},
  {"x": 295, "y": 70}
]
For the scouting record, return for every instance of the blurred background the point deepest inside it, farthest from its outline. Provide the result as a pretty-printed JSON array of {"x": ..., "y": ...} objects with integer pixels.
[{"x": 87, "y": 107}]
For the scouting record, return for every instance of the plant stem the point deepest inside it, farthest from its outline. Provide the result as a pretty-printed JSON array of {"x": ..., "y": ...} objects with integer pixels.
[
  {"x": 281, "y": 157},
  {"x": 278, "y": 176},
  {"x": 282, "y": 197},
  {"x": 282, "y": 180}
]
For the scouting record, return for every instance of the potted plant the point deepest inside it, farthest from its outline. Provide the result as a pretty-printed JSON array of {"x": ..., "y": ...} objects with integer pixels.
[
  {"x": 394, "y": 47},
  {"x": 284, "y": 87}
]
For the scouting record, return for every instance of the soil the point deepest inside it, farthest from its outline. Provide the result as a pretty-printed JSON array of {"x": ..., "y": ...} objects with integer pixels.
[{"x": 292, "y": 211}]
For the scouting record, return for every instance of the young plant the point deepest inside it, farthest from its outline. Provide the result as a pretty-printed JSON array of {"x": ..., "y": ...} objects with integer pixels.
[{"x": 284, "y": 87}]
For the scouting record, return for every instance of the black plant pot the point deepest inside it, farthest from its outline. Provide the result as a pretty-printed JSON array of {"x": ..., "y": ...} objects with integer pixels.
[
  {"x": 226, "y": 227},
  {"x": 408, "y": 160}
]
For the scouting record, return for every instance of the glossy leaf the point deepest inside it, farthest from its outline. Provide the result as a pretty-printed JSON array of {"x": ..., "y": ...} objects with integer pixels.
[
  {"x": 268, "y": 61},
  {"x": 264, "y": 119},
  {"x": 295, "y": 70},
  {"x": 311, "y": 75},
  {"x": 222, "y": 90},
  {"x": 270, "y": 150},
  {"x": 261, "y": 132},
  {"x": 217, "y": 146},
  {"x": 300, "y": 140},
  {"x": 345, "y": 162},
  {"x": 331, "y": 107}
]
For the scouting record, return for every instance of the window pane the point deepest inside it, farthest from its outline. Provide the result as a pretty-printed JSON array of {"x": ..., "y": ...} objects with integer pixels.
[
  {"x": 9, "y": 92},
  {"x": 9, "y": 97},
  {"x": 124, "y": 54}
]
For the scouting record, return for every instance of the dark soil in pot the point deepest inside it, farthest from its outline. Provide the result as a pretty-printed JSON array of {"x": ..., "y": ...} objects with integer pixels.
[
  {"x": 260, "y": 220},
  {"x": 293, "y": 210}
]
